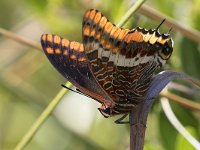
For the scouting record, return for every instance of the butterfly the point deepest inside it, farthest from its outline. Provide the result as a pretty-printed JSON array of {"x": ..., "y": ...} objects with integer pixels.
[{"x": 113, "y": 66}]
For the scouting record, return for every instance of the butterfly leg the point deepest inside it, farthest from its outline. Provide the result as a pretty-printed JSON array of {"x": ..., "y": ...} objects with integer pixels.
[
  {"x": 68, "y": 88},
  {"x": 120, "y": 120}
]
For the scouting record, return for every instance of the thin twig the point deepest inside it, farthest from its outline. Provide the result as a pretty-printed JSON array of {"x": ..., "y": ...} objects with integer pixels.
[
  {"x": 171, "y": 23},
  {"x": 184, "y": 89},
  {"x": 181, "y": 100},
  {"x": 20, "y": 39},
  {"x": 130, "y": 11},
  {"x": 42, "y": 118}
]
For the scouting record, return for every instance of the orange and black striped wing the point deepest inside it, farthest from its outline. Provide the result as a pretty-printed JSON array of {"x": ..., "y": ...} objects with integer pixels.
[
  {"x": 69, "y": 59},
  {"x": 101, "y": 40},
  {"x": 121, "y": 60}
]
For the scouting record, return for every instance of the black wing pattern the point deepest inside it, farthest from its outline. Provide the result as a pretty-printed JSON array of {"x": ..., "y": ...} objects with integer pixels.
[{"x": 69, "y": 59}]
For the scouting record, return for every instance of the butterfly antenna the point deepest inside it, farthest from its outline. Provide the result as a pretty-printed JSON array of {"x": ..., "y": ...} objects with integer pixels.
[
  {"x": 169, "y": 30},
  {"x": 160, "y": 24},
  {"x": 78, "y": 91}
]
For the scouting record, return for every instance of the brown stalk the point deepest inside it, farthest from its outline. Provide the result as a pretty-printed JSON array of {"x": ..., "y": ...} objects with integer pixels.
[
  {"x": 20, "y": 39},
  {"x": 181, "y": 100},
  {"x": 171, "y": 23}
]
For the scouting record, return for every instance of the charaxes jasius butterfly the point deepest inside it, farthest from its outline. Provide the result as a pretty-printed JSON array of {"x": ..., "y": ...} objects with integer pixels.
[{"x": 114, "y": 66}]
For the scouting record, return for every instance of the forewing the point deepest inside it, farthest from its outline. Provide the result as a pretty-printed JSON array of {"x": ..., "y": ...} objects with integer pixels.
[
  {"x": 120, "y": 60},
  {"x": 69, "y": 59}
]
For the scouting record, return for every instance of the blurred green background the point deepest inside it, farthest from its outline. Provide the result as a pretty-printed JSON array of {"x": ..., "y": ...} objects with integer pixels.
[{"x": 28, "y": 82}]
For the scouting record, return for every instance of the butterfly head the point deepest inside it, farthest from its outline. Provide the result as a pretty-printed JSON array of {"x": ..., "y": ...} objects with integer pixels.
[
  {"x": 165, "y": 48},
  {"x": 107, "y": 111},
  {"x": 156, "y": 44},
  {"x": 163, "y": 42}
]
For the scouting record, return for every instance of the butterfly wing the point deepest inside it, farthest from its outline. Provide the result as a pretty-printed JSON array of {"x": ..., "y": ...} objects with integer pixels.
[
  {"x": 121, "y": 60},
  {"x": 69, "y": 59}
]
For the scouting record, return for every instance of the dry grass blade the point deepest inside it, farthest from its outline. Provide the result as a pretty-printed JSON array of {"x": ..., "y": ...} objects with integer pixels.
[
  {"x": 19, "y": 39},
  {"x": 185, "y": 30},
  {"x": 181, "y": 100}
]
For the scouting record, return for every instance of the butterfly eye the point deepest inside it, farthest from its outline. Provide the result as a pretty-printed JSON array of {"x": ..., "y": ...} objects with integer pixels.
[{"x": 165, "y": 52}]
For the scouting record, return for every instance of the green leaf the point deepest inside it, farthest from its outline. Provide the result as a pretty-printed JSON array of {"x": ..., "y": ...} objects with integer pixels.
[
  {"x": 190, "y": 57},
  {"x": 182, "y": 143},
  {"x": 167, "y": 132},
  {"x": 195, "y": 15}
]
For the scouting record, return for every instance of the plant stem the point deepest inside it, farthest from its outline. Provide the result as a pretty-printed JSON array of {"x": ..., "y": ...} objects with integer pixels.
[
  {"x": 137, "y": 129},
  {"x": 189, "y": 32},
  {"x": 129, "y": 13},
  {"x": 20, "y": 39},
  {"x": 181, "y": 100},
  {"x": 138, "y": 119},
  {"x": 42, "y": 118}
]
